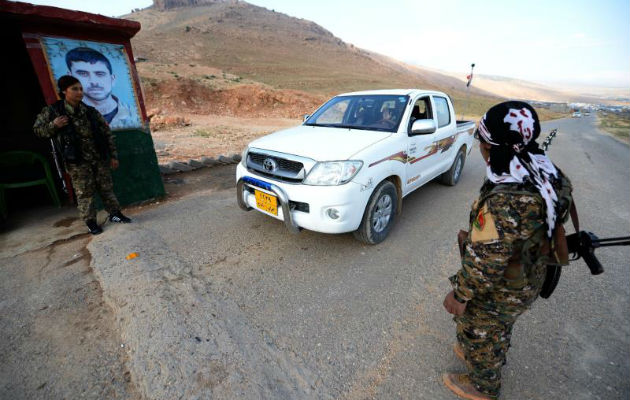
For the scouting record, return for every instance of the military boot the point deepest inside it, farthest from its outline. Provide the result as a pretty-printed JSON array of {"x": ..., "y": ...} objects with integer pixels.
[
  {"x": 119, "y": 217},
  {"x": 461, "y": 385},
  {"x": 93, "y": 227}
]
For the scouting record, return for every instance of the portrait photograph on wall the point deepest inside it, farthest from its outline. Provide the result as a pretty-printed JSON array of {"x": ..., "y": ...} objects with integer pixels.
[{"x": 104, "y": 72}]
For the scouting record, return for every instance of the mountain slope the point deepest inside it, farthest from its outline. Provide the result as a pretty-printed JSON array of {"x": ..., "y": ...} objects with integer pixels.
[
  {"x": 266, "y": 46},
  {"x": 220, "y": 45}
]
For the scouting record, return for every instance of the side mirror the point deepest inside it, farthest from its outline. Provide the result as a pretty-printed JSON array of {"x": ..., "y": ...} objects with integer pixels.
[
  {"x": 423, "y": 126},
  {"x": 305, "y": 117}
]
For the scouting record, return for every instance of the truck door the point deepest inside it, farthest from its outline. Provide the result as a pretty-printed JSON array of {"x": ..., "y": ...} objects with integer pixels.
[
  {"x": 420, "y": 165},
  {"x": 445, "y": 135}
]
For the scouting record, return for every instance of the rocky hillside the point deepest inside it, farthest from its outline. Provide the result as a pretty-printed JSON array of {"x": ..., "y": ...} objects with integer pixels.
[
  {"x": 220, "y": 45},
  {"x": 168, "y": 4}
]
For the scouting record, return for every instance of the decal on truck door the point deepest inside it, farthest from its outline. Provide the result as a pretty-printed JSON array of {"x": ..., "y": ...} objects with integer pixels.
[
  {"x": 441, "y": 146},
  {"x": 400, "y": 156}
]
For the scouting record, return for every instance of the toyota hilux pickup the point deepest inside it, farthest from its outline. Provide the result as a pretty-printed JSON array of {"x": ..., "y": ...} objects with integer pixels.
[{"x": 349, "y": 165}]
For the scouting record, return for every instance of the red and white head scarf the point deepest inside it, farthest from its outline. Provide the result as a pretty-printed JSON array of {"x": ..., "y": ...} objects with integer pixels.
[{"x": 512, "y": 128}]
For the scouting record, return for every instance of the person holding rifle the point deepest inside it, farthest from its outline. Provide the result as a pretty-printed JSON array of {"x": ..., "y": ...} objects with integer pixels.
[
  {"x": 87, "y": 147},
  {"x": 516, "y": 230}
]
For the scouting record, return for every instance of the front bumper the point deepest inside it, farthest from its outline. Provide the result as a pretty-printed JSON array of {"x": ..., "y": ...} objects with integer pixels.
[{"x": 348, "y": 200}]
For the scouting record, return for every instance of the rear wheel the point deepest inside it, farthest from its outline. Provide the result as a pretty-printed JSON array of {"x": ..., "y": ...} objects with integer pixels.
[
  {"x": 379, "y": 214},
  {"x": 451, "y": 177}
]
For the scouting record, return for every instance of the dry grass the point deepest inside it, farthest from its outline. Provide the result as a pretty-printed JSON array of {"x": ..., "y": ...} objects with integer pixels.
[
  {"x": 213, "y": 135},
  {"x": 474, "y": 107},
  {"x": 617, "y": 124}
]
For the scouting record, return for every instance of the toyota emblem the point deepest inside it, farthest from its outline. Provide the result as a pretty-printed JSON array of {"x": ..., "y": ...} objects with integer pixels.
[{"x": 269, "y": 165}]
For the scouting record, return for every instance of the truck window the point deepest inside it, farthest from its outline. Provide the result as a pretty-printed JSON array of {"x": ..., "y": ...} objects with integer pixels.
[
  {"x": 334, "y": 114},
  {"x": 366, "y": 112},
  {"x": 442, "y": 111},
  {"x": 421, "y": 110}
]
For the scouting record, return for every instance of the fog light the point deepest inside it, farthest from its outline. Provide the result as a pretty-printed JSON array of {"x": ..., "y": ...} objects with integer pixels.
[{"x": 333, "y": 213}]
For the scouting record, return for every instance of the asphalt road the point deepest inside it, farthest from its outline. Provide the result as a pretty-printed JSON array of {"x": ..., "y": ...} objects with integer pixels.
[{"x": 222, "y": 303}]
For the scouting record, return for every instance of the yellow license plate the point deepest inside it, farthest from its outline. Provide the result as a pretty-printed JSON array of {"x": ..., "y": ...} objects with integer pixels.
[{"x": 266, "y": 202}]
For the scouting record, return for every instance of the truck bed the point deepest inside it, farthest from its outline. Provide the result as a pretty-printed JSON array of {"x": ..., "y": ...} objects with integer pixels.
[{"x": 465, "y": 125}]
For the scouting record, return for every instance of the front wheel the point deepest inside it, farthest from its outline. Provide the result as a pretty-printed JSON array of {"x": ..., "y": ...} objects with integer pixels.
[
  {"x": 451, "y": 177},
  {"x": 379, "y": 214}
]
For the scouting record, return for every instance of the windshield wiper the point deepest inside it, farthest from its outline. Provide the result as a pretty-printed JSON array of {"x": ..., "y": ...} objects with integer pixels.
[
  {"x": 362, "y": 128},
  {"x": 326, "y": 125}
]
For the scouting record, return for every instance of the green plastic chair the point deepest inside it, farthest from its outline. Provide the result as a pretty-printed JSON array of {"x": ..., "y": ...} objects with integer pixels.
[{"x": 20, "y": 169}]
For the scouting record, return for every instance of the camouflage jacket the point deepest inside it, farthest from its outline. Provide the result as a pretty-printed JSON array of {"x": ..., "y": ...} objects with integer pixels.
[
  {"x": 502, "y": 220},
  {"x": 88, "y": 141}
]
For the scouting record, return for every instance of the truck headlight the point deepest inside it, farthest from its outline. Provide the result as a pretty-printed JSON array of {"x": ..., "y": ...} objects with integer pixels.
[
  {"x": 244, "y": 157},
  {"x": 331, "y": 173}
]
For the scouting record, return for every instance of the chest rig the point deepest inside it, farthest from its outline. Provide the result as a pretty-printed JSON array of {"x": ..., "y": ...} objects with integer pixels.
[{"x": 536, "y": 250}]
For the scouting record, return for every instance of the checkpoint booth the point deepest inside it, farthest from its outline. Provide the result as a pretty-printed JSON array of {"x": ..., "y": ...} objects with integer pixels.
[{"x": 42, "y": 44}]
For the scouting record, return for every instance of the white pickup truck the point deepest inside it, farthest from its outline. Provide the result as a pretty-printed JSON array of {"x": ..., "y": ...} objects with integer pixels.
[{"x": 348, "y": 166}]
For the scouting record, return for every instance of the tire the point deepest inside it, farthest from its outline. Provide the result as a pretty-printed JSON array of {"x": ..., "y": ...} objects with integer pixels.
[
  {"x": 379, "y": 214},
  {"x": 451, "y": 177}
]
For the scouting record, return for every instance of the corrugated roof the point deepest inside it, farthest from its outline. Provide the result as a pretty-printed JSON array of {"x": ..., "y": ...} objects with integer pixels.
[{"x": 47, "y": 15}]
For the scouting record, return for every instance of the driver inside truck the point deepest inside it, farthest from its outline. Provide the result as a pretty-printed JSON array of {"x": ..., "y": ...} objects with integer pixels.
[
  {"x": 387, "y": 118},
  {"x": 420, "y": 109}
]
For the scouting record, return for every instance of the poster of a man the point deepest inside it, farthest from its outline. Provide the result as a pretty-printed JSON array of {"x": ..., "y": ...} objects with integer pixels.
[
  {"x": 103, "y": 70},
  {"x": 94, "y": 71}
]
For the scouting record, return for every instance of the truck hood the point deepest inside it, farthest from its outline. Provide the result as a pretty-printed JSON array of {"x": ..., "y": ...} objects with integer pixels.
[{"x": 320, "y": 143}]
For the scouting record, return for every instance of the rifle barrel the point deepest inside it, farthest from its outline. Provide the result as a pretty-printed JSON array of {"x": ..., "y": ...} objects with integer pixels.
[
  {"x": 615, "y": 241},
  {"x": 614, "y": 238},
  {"x": 622, "y": 243}
]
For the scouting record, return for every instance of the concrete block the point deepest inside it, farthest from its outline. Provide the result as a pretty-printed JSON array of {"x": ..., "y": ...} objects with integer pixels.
[
  {"x": 179, "y": 166},
  {"x": 225, "y": 160},
  {"x": 196, "y": 164},
  {"x": 209, "y": 161}
]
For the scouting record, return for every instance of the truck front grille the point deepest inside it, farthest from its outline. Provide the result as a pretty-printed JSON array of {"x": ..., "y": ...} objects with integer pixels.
[{"x": 276, "y": 167}]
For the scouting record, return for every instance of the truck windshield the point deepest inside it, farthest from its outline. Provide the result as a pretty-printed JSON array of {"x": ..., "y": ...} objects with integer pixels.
[{"x": 370, "y": 112}]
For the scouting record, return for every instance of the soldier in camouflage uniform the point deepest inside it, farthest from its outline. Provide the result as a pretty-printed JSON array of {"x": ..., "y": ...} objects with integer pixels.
[
  {"x": 521, "y": 208},
  {"x": 88, "y": 150}
]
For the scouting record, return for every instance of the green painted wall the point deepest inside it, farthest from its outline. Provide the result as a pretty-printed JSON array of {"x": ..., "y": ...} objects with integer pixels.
[{"x": 138, "y": 176}]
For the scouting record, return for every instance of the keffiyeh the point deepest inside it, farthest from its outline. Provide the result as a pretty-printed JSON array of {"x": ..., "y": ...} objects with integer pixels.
[{"x": 512, "y": 129}]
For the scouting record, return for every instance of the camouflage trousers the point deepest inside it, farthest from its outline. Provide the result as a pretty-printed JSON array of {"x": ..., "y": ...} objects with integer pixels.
[
  {"x": 484, "y": 333},
  {"x": 89, "y": 179}
]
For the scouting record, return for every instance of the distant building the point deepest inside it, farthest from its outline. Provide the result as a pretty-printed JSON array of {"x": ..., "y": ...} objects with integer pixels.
[{"x": 552, "y": 106}]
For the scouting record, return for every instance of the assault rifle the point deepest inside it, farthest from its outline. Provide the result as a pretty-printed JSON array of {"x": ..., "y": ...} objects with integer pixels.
[
  {"x": 547, "y": 142},
  {"x": 580, "y": 244},
  {"x": 58, "y": 164},
  {"x": 583, "y": 244}
]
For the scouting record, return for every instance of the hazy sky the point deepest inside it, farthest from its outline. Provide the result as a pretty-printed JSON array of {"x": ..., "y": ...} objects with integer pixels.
[{"x": 561, "y": 41}]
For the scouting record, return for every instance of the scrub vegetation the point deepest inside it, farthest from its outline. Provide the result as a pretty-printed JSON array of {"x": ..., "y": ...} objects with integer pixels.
[{"x": 617, "y": 124}]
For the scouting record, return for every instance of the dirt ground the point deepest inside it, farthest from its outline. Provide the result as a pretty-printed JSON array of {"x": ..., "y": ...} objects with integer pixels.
[
  {"x": 212, "y": 135},
  {"x": 59, "y": 337}
]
